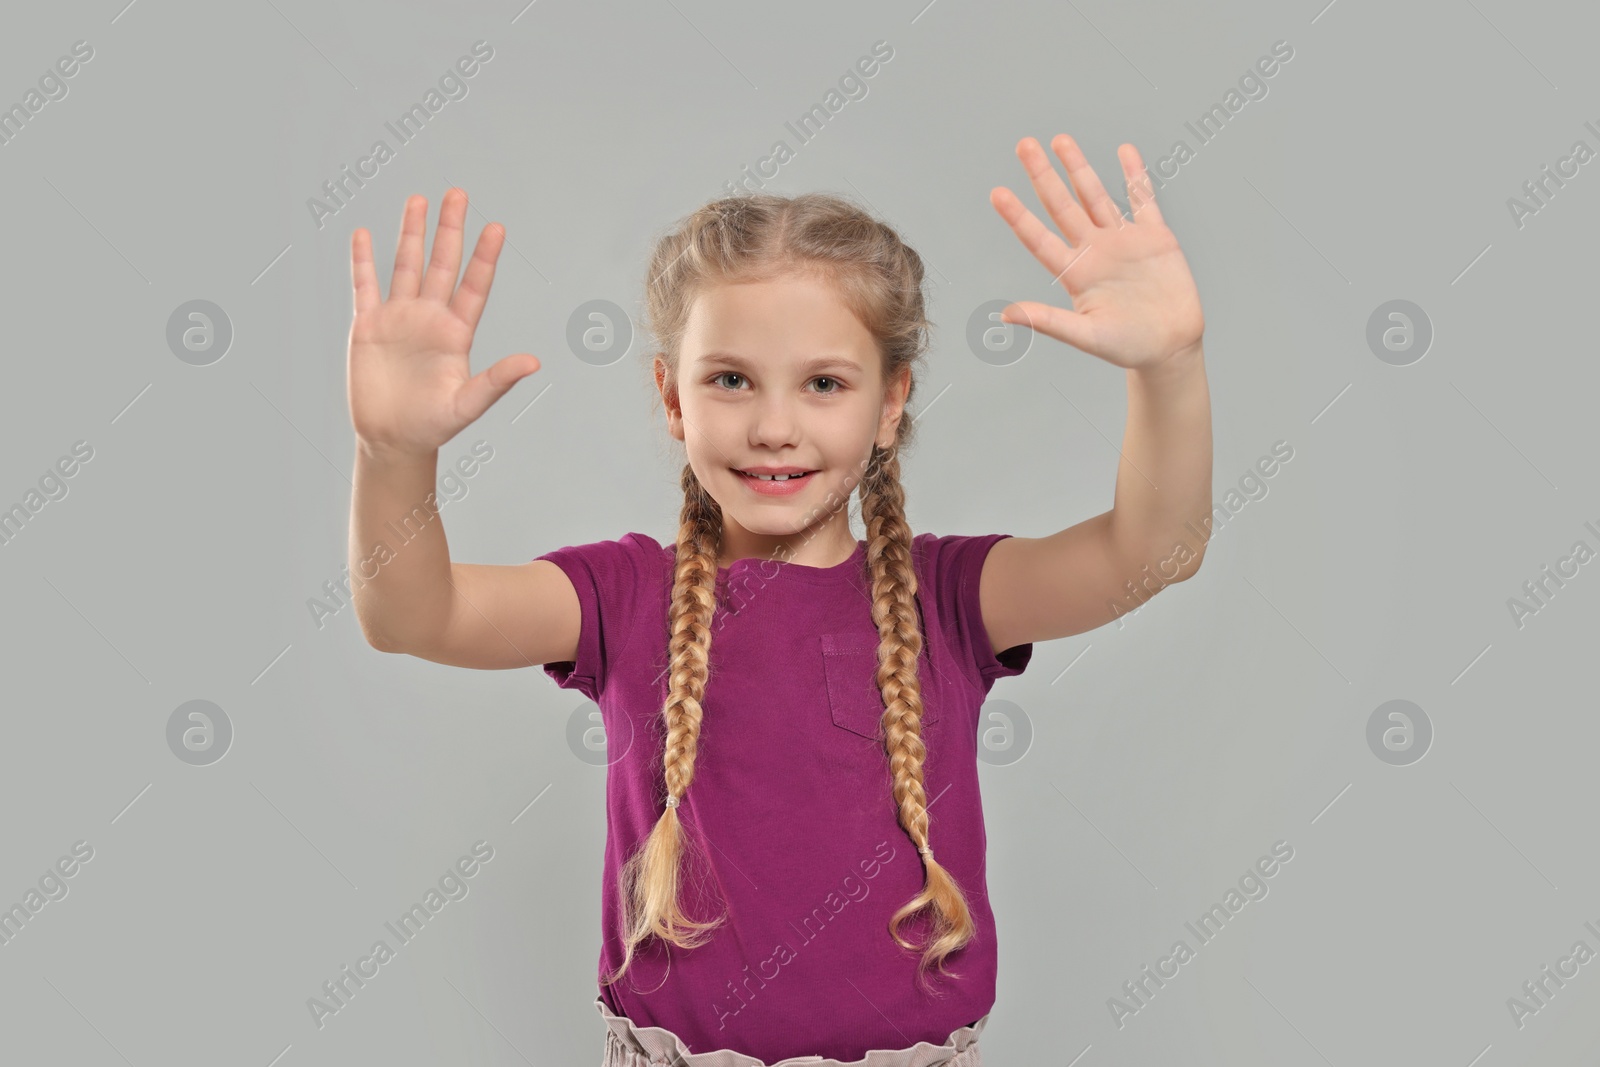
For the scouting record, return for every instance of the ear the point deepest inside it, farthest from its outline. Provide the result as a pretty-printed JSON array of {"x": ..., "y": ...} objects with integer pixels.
[
  {"x": 669, "y": 399},
  {"x": 894, "y": 405}
]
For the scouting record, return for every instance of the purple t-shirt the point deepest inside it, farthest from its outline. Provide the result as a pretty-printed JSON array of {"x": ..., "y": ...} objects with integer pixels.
[{"x": 792, "y": 798}]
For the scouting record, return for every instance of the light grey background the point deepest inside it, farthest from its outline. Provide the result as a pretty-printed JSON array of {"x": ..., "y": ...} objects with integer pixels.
[{"x": 1169, "y": 753}]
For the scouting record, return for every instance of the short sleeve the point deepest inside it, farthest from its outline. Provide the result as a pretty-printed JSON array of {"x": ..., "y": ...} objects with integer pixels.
[
  {"x": 610, "y": 578},
  {"x": 952, "y": 565}
]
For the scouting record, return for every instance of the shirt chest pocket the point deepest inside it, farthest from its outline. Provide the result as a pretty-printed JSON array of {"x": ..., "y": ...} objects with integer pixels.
[{"x": 850, "y": 662}]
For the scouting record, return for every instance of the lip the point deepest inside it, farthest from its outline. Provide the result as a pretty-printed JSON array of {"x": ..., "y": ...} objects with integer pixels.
[{"x": 784, "y": 488}]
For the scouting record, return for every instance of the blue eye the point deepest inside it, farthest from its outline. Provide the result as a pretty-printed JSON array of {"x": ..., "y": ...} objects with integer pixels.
[{"x": 716, "y": 379}]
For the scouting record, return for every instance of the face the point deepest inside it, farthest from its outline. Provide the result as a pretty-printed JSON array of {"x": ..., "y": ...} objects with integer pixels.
[{"x": 780, "y": 374}]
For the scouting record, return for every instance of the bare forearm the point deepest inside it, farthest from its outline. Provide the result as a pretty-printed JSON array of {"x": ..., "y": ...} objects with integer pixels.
[
  {"x": 1163, "y": 494},
  {"x": 399, "y": 559}
]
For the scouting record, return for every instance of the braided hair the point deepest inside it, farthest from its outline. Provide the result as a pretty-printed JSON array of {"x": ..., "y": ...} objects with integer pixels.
[{"x": 880, "y": 278}]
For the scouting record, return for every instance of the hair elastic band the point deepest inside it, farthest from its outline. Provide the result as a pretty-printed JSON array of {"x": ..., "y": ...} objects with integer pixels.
[
  {"x": 925, "y": 850},
  {"x": 672, "y": 802}
]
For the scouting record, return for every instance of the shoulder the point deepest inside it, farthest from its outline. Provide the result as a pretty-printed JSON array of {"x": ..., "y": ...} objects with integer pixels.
[
  {"x": 943, "y": 558},
  {"x": 615, "y": 581},
  {"x": 949, "y": 570},
  {"x": 632, "y": 548},
  {"x": 612, "y": 568}
]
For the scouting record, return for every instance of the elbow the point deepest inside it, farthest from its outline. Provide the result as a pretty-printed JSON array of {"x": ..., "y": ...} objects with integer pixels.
[
  {"x": 1175, "y": 565},
  {"x": 370, "y": 617},
  {"x": 1188, "y": 568},
  {"x": 1157, "y": 560},
  {"x": 376, "y": 636},
  {"x": 1170, "y": 568},
  {"x": 1191, "y": 567},
  {"x": 379, "y": 641}
]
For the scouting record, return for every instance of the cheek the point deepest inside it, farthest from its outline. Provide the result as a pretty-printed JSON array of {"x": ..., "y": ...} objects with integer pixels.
[
  {"x": 709, "y": 443},
  {"x": 851, "y": 428}
]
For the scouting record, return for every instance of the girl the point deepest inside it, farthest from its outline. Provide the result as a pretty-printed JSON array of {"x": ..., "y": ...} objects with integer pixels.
[{"x": 790, "y": 903}]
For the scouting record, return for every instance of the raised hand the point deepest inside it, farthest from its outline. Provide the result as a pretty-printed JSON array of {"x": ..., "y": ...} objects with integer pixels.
[
  {"x": 1134, "y": 302},
  {"x": 411, "y": 388}
]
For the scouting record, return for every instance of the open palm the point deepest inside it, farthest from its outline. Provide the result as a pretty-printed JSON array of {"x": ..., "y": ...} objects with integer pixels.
[
  {"x": 410, "y": 383},
  {"x": 1134, "y": 302}
]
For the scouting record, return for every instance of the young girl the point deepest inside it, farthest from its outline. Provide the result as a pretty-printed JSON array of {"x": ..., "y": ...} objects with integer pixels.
[{"x": 791, "y": 713}]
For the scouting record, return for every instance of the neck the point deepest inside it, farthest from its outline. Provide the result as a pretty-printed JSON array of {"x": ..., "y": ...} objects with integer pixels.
[{"x": 825, "y": 545}]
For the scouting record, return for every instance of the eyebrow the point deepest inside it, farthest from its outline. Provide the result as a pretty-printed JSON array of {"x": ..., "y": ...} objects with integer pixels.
[{"x": 818, "y": 363}]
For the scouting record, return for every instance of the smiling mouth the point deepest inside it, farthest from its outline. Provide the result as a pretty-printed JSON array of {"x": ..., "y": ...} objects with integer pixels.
[{"x": 779, "y": 478}]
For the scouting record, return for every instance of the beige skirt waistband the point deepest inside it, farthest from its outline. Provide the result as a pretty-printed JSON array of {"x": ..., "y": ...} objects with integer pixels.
[{"x": 628, "y": 1045}]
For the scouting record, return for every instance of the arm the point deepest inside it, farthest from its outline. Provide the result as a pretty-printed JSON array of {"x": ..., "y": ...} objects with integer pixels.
[
  {"x": 1135, "y": 306},
  {"x": 411, "y": 390},
  {"x": 413, "y": 599},
  {"x": 400, "y": 583},
  {"x": 1042, "y": 588}
]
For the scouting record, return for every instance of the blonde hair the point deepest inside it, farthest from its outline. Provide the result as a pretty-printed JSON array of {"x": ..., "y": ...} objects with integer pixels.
[{"x": 880, "y": 278}]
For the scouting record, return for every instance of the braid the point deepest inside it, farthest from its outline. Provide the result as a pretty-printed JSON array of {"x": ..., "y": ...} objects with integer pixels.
[
  {"x": 894, "y": 610},
  {"x": 650, "y": 877}
]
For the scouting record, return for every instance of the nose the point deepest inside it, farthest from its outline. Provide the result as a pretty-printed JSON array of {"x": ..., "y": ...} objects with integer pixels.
[{"x": 775, "y": 423}]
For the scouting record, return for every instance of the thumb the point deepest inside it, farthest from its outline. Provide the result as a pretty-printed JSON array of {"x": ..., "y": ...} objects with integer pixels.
[
  {"x": 483, "y": 389},
  {"x": 1070, "y": 327}
]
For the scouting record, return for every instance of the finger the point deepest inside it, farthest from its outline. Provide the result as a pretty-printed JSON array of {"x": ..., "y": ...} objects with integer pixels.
[
  {"x": 1071, "y": 327},
  {"x": 363, "y": 276},
  {"x": 473, "y": 292},
  {"x": 440, "y": 281},
  {"x": 1035, "y": 236},
  {"x": 408, "y": 253},
  {"x": 1053, "y": 192},
  {"x": 482, "y": 390},
  {"x": 1096, "y": 201},
  {"x": 1141, "y": 190}
]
